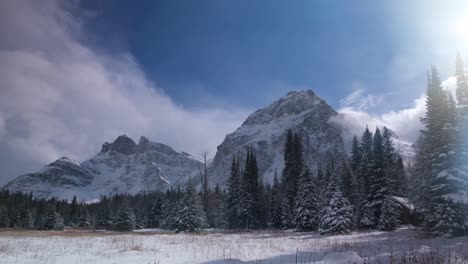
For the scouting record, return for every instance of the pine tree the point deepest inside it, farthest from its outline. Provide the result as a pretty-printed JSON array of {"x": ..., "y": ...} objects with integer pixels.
[
  {"x": 461, "y": 161},
  {"x": 53, "y": 221},
  {"x": 250, "y": 200},
  {"x": 125, "y": 218},
  {"x": 276, "y": 200},
  {"x": 84, "y": 216},
  {"x": 156, "y": 213},
  {"x": 390, "y": 163},
  {"x": 337, "y": 216},
  {"x": 74, "y": 213},
  {"x": 388, "y": 220},
  {"x": 233, "y": 206},
  {"x": 435, "y": 161},
  {"x": 286, "y": 217},
  {"x": 190, "y": 216},
  {"x": 4, "y": 219},
  {"x": 305, "y": 218},
  {"x": 26, "y": 219},
  {"x": 293, "y": 166}
]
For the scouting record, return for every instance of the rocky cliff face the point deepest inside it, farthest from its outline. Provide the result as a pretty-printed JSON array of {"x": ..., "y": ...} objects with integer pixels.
[
  {"x": 121, "y": 167},
  {"x": 265, "y": 131}
]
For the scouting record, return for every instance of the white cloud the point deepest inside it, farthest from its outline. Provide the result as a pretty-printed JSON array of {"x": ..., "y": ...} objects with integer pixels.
[
  {"x": 405, "y": 122},
  {"x": 59, "y": 97},
  {"x": 360, "y": 101}
]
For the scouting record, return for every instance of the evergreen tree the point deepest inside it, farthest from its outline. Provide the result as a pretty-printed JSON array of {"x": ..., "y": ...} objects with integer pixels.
[
  {"x": 461, "y": 161},
  {"x": 233, "y": 206},
  {"x": 436, "y": 182},
  {"x": 53, "y": 221},
  {"x": 84, "y": 222},
  {"x": 305, "y": 218},
  {"x": 250, "y": 200},
  {"x": 125, "y": 218},
  {"x": 4, "y": 219},
  {"x": 293, "y": 166},
  {"x": 388, "y": 220},
  {"x": 190, "y": 215},
  {"x": 276, "y": 200},
  {"x": 26, "y": 219},
  {"x": 74, "y": 218},
  {"x": 337, "y": 216},
  {"x": 217, "y": 208},
  {"x": 286, "y": 217},
  {"x": 156, "y": 213}
]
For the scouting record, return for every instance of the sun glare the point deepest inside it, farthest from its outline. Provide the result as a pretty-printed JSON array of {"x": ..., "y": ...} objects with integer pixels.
[{"x": 461, "y": 27}]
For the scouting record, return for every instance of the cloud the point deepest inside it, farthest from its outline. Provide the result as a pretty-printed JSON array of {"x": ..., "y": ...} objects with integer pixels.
[
  {"x": 60, "y": 97},
  {"x": 360, "y": 101},
  {"x": 405, "y": 123}
]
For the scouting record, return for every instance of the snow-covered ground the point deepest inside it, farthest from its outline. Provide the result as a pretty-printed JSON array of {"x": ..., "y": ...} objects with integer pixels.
[{"x": 156, "y": 246}]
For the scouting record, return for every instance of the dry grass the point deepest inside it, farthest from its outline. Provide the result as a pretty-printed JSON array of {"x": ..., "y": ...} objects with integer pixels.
[{"x": 87, "y": 246}]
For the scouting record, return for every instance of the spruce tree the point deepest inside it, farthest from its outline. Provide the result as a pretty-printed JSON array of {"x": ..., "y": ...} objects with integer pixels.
[
  {"x": 436, "y": 182},
  {"x": 233, "y": 206},
  {"x": 276, "y": 202},
  {"x": 125, "y": 218},
  {"x": 156, "y": 213},
  {"x": 306, "y": 211},
  {"x": 53, "y": 221},
  {"x": 190, "y": 216},
  {"x": 461, "y": 161},
  {"x": 293, "y": 166},
  {"x": 250, "y": 200},
  {"x": 337, "y": 216},
  {"x": 27, "y": 221},
  {"x": 388, "y": 220}
]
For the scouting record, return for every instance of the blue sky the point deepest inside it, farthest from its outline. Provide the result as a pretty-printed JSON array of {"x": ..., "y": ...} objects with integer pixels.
[
  {"x": 74, "y": 74},
  {"x": 250, "y": 52}
]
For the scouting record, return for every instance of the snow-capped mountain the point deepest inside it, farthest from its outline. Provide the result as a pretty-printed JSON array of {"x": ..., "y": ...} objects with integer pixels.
[
  {"x": 126, "y": 167},
  {"x": 121, "y": 167},
  {"x": 265, "y": 131}
]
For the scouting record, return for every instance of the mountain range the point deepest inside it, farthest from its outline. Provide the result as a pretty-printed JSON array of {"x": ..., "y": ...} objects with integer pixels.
[{"x": 124, "y": 166}]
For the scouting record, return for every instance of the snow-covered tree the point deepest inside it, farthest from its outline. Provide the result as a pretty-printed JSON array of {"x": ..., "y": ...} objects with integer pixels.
[
  {"x": 435, "y": 176},
  {"x": 53, "y": 221},
  {"x": 84, "y": 216},
  {"x": 26, "y": 219},
  {"x": 293, "y": 167},
  {"x": 337, "y": 216},
  {"x": 250, "y": 193},
  {"x": 125, "y": 219},
  {"x": 189, "y": 216},
  {"x": 286, "y": 217},
  {"x": 233, "y": 206},
  {"x": 156, "y": 213},
  {"x": 306, "y": 212},
  {"x": 445, "y": 219},
  {"x": 388, "y": 220},
  {"x": 275, "y": 206}
]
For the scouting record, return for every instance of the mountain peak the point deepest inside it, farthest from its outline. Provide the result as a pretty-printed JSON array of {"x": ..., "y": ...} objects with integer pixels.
[
  {"x": 293, "y": 103},
  {"x": 264, "y": 131}
]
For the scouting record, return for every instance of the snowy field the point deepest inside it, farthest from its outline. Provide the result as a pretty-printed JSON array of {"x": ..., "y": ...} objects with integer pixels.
[{"x": 151, "y": 246}]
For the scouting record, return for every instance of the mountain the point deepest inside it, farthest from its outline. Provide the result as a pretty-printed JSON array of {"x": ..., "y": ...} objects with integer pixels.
[
  {"x": 126, "y": 167},
  {"x": 121, "y": 167},
  {"x": 265, "y": 131}
]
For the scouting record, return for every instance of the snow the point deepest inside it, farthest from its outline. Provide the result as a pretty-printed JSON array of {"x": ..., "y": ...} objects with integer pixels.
[
  {"x": 215, "y": 246},
  {"x": 405, "y": 202}
]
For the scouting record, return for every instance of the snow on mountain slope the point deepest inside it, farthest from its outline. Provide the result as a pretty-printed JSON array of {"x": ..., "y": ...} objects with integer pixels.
[
  {"x": 121, "y": 167},
  {"x": 265, "y": 131}
]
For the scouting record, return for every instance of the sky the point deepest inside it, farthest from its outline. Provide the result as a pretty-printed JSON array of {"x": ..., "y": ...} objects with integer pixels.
[{"x": 74, "y": 74}]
